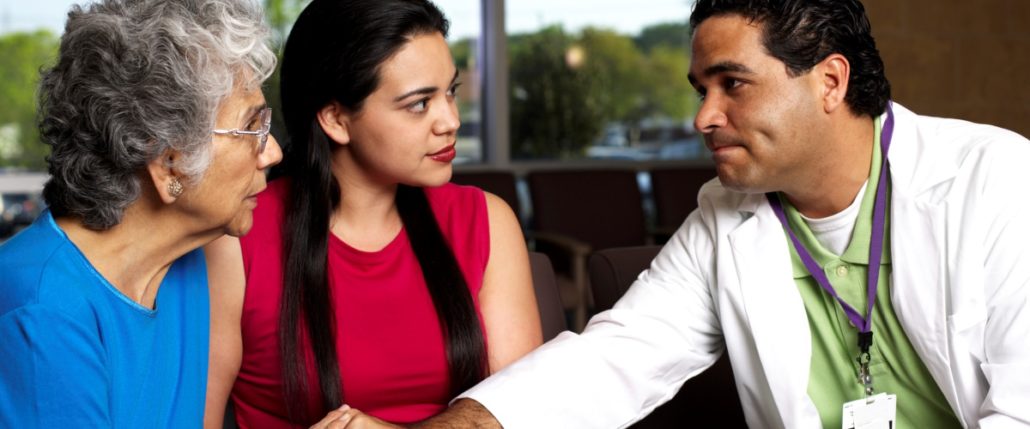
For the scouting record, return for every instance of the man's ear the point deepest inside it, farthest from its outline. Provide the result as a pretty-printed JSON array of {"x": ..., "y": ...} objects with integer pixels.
[
  {"x": 833, "y": 72},
  {"x": 167, "y": 182},
  {"x": 335, "y": 121}
]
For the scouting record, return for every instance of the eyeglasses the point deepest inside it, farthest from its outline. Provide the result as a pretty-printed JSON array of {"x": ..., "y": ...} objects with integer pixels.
[{"x": 266, "y": 126}]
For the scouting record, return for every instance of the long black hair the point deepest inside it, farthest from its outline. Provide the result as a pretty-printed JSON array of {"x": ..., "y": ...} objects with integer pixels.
[
  {"x": 333, "y": 54},
  {"x": 801, "y": 33}
]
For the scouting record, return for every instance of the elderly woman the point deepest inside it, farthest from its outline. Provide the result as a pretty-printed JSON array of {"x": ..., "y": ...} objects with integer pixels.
[{"x": 159, "y": 138}]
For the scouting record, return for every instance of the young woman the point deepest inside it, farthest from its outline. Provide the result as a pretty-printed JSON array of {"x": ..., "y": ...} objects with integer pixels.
[
  {"x": 159, "y": 140},
  {"x": 368, "y": 279}
]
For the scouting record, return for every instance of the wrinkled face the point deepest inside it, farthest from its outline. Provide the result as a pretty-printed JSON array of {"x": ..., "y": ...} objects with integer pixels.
[
  {"x": 757, "y": 120},
  {"x": 406, "y": 130},
  {"x": 226, "y": 195}
]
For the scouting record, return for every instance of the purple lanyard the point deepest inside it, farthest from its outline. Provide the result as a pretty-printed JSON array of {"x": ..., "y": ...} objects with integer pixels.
[{"x": 864, "y": 325}]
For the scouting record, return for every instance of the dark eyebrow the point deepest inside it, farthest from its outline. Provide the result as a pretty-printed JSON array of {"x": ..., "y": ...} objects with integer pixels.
[
  {"x": 424, "y": 90},
  {"x": 723, "y": 67}
]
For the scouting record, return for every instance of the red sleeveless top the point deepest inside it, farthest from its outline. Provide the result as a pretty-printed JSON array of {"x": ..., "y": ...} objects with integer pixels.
[{"x": 390, "y": 346}]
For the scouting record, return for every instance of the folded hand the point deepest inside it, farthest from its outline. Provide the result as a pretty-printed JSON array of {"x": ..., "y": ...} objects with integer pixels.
[{"x": 350, "y": 418}]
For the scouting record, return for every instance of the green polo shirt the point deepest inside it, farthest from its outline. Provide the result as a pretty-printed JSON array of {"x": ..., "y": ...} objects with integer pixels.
[{"x": 895, "y": 366}]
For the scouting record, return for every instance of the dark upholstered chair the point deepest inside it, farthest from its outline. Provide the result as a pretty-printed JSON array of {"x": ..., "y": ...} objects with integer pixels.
[
  {"x": 675, "y": 195},
  {"x": 552, "y": 315},
  {"x": 500, "y": 183},
  {"x": 707, "y": 400},
  {"x": 575, "y": 211}
]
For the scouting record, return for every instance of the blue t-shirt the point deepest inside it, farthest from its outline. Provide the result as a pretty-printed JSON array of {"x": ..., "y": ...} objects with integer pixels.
[{"x": 76, "y": 352}]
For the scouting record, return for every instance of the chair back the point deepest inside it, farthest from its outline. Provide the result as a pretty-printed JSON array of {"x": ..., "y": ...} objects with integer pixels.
[
  {"x": 500, "y": 183},
  {"x": 612, "y": 271},
  {"x": 602, "y": 208},
  {"x": 708, "y": 400},
  {"x": 675, "y": 193},
  {"x": 552, "y": 315}
]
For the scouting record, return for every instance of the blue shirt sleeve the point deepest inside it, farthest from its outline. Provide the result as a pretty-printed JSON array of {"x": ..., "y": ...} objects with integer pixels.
[{"x": 53, "y": 371}]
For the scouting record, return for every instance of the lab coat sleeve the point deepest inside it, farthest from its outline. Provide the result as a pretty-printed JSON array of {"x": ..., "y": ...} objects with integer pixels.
[
  {"x": 629, "y": 359},
  {"x": 1006, "y": 354}
]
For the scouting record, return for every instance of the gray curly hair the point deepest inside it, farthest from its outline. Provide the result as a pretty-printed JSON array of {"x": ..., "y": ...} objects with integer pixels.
[{"x": 134, "y": 79}]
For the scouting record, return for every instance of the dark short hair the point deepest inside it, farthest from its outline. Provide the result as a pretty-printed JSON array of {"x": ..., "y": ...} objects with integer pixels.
[{"x": 801, "y": 33}]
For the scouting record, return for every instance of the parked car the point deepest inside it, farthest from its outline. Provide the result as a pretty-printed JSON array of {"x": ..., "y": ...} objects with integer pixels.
[
  {"x": 21, "y": 201},
  {"x": 18, "y": 211}
]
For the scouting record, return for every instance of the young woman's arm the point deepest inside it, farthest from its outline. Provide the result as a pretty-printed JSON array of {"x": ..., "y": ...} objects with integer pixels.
[
  {"x": 226, "y": 283},
  {"x": 507, "y": 300}
]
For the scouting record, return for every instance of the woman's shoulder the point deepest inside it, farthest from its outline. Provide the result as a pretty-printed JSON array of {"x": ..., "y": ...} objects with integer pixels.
[
  {"x": 458, "y": 206},
  {"x": 452, "y": 193}
]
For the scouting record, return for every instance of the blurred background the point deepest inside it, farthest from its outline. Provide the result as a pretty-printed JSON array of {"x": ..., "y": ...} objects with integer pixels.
[{"x": 582, "y": 84}]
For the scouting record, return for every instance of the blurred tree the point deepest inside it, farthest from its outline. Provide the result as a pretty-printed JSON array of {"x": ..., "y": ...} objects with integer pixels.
[
  {"x": 22, "y": 55},
  {"x": 619, "y": 74},
  {"x": 566, "y": 89},
  {"x": 554, "y": 111},
  {"x": 674, "y": 35},
  {"x": 669, "y": 91},
  {"x": 462, "y": 51},
  {"x": 281, "y": 15}
]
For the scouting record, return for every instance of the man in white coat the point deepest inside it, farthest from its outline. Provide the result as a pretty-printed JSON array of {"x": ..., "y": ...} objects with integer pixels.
[{"x": 819, "y": 175}]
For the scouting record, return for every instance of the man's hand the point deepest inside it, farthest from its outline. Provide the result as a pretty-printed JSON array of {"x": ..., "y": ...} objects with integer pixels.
[
  {"x": 351, "y": 418},
  {"x": 464, "y": 414}
]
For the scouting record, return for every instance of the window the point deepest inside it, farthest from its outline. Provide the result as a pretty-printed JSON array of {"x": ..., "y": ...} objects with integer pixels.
[
  {"x": 605, "y": 79},
  {"x": 465, "y": 17}
]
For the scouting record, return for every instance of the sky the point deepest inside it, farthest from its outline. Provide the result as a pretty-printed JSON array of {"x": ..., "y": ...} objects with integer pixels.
[{"x": 625, "y": 16}]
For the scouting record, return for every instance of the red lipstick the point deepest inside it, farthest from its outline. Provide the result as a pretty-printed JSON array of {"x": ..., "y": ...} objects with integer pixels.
[{"x": 446, "y": 154}]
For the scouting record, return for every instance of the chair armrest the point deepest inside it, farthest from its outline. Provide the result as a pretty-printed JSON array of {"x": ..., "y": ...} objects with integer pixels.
[
  {"x": 578, "y": 252},
  {"x": 660, "y": 234},
  {"x": 576, "y": 248}
]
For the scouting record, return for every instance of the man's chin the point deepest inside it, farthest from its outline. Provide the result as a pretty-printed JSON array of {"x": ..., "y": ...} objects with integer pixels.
[{"x": 739, "y": 184}]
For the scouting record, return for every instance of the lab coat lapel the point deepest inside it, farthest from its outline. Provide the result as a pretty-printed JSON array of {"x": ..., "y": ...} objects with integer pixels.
[
  {"x": 919, "y": 240},
  {"x": 775, "y": 311}
]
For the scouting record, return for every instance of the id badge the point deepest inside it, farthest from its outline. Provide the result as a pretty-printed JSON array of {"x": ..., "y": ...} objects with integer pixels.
[{"x": 874, "y": 412}]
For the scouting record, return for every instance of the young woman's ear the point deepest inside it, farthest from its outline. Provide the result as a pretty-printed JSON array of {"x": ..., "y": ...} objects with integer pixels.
[{"x": 335, "y": 122}]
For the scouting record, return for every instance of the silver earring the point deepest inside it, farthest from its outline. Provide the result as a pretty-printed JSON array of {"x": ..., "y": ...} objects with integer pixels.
[{"x": 175, "y": 187}]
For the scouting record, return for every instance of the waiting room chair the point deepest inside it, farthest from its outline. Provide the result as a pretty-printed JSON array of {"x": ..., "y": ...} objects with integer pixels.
[
  {"x": 675, "y": 196},
  {"x": 497, "y": 182},
  {"x": 552, "y": 315},
  {"x": 708, "y": 400},
  {"x": 576, "y": 211}
]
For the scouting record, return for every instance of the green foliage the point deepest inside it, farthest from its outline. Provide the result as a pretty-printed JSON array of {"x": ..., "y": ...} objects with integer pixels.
[
  {"x": 670, "y": 92},
  {"x": 673, "y": 35},
  {"x": 22, "y": 56},
  {"x": 280, "y": 15},
  {"x": 553, "y": 111},
  {"x": 618, "y": 71},
  {"x": 463, "y": 51},
  {"x": 559, "y": 105}
]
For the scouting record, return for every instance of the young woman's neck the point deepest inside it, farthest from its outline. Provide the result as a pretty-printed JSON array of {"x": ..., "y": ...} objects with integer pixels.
[{"x": 367, "y": 217}]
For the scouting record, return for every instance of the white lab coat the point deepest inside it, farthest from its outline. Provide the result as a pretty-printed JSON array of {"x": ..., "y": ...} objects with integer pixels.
[{"x": 960, "y": 286}]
